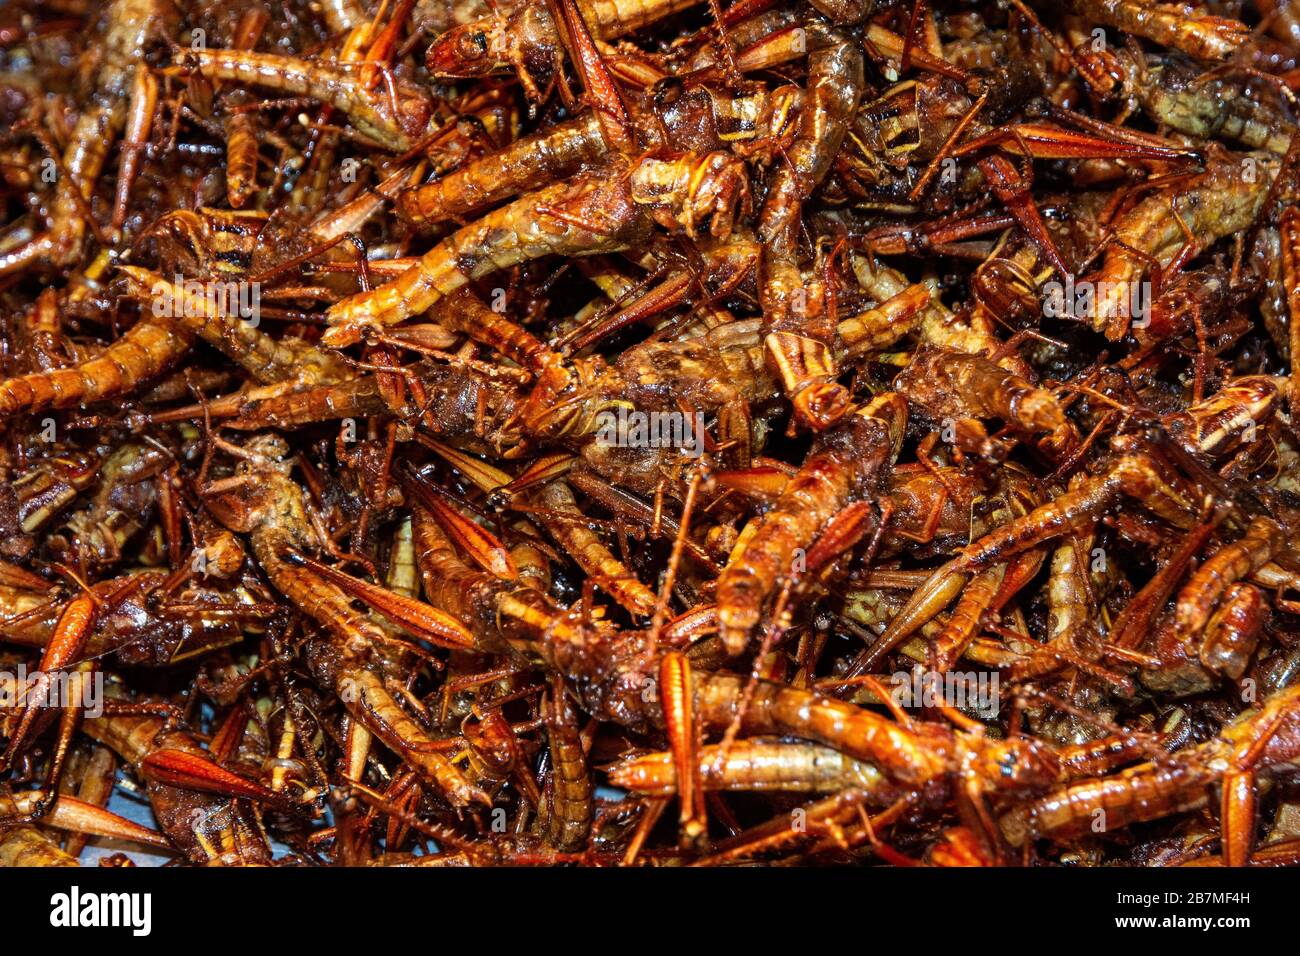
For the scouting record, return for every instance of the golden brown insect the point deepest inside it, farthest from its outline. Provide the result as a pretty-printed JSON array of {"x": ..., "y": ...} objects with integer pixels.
[
  {"x": 149, "y": 347},
  {"x": 395, "y": 122},
  {"x": 1258, "y": 741},
  {"x": 280, "y": 530},
  {"x": 798, "y": 348},
  {"x": 1205, "y": 37},
  {"x": 844, "y": 468},
  {"x": 22, "y": 844},
  {"x": 1224, "y": 200},
  {"x": 755, "y": 765},
  {"x": 129, "y": 27},
  {"x": 592, "y": 214},
  {"x": 570, "y": 805},
  {"x": 947, "y": 386},
  {"x": 207, "y": 827},
  {"x": 524, "y": 37}
]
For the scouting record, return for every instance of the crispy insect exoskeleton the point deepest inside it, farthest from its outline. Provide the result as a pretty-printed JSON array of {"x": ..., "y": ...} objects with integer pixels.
[
  {"x": 570, "y": 807},
  {"x": 592, "y": 214},
  {"x": 149, "y": 347},
  {"x": 847, "y": 464}
]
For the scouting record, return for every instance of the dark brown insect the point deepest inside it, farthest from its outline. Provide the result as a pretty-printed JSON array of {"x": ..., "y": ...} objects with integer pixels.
[{"x": 455, "y": 433}]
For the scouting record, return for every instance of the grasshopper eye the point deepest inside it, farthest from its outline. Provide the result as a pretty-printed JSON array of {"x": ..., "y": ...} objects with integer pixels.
[
  {"x": 1008, "y": 765},
  {"x": 474, "y": 46}
]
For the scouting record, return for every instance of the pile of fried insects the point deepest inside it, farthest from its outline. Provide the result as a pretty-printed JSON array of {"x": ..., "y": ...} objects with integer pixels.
[{"x": 597, "y": 432}]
